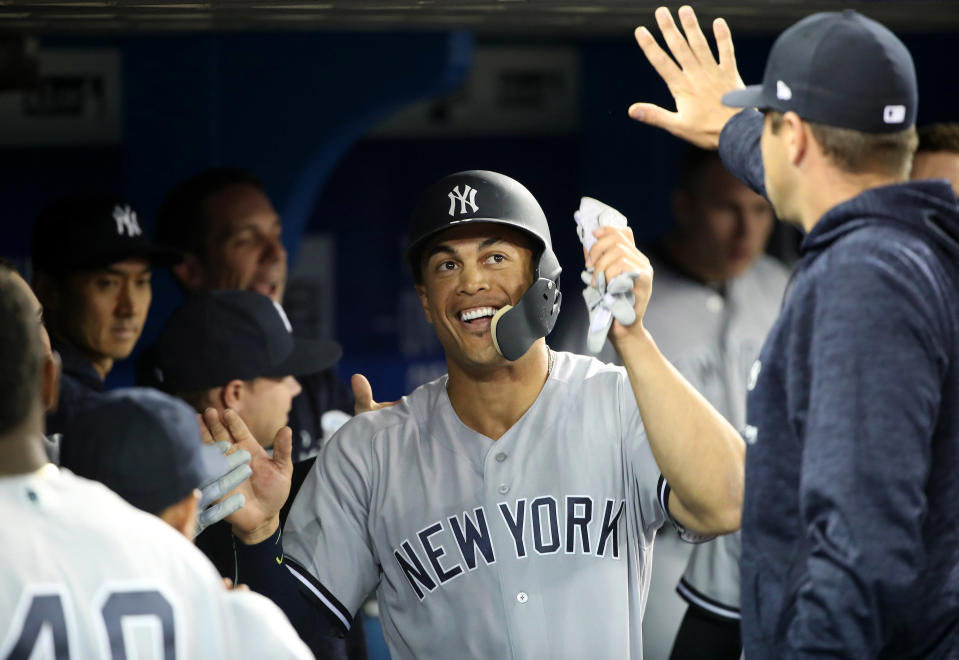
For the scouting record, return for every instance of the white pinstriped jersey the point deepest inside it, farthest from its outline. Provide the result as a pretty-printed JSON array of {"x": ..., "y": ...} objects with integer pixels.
[
  {"x": 85, "y": 575},
  {"x": 536, "y": 545}
]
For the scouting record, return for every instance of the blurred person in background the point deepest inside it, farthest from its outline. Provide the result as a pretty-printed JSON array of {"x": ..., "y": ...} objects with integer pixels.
[{"x": 937, "y": 156}]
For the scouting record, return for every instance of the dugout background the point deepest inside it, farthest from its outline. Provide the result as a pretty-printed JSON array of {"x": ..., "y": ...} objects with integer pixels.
[{"x": 348, "y": 109}]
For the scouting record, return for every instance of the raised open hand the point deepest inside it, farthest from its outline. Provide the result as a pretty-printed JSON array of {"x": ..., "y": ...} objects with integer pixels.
[
  {"x": 694, "y": 77},
  {"x": 267, "y": 490}
]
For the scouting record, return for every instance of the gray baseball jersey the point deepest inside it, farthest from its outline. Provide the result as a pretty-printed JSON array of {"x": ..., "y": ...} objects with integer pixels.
[
  {"x": 85, "y": 575},
  {"x": 713, "y": 340},
  {"x": 536, "y": 545}
]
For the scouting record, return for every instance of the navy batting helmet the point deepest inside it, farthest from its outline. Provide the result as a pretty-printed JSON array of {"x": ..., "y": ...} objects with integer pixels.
[{"x": 490, "y": 197}]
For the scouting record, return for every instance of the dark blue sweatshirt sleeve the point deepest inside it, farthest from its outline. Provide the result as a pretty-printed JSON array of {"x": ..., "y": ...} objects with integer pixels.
[
  {"x": 739, "y": 149},
  {"x": 263, "y": 568},
  {"x": 871, "y": 374}
]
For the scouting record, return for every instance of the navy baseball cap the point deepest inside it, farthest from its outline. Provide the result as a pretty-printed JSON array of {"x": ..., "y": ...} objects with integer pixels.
[
  {"x": 143, "y": 445},
  {"x": 839, "y": 69},
  {"x": 220, "y": 336},
  {"x": 92, "y": 231}
]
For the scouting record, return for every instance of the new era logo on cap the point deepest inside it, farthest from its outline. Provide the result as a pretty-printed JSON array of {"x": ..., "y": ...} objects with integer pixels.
[
  {"x": 894, "y": 114},
  {"x": 783, "y": 93}
]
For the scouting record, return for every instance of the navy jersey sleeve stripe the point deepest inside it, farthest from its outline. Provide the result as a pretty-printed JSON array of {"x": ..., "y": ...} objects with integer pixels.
[
  {"x": 663, "y": 489},
  {"x": 321, "y": 593},
  {"x": 690, "y": 537},
  {"x": 705, "y": 603}
]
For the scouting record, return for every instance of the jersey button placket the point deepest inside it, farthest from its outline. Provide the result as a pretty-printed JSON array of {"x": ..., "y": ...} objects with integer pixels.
[{"x": 500, "y": 458}]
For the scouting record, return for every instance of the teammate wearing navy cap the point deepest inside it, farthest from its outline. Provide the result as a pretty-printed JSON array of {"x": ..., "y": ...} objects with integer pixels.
[
  {"x": 147, "y": 448},
  {"x": 234, "y": 350},
  {"x": 232, "y": 239},
  {"x": 92, "y": 267},
  {"x": 850, "y": 535},
  {"x": 509, "y": 508}
]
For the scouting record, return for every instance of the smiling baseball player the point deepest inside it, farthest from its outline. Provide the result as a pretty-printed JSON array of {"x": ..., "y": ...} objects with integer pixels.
[{"x": 507, "y": 509}]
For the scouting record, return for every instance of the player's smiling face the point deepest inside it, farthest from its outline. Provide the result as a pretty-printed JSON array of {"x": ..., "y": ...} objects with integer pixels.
[{"x": 470, "y": 272}]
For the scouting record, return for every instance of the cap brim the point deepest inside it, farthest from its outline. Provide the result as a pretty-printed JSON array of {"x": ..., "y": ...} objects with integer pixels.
[
  {"x": 309, "y": 356},
  {"x": 750, "y": 97}
]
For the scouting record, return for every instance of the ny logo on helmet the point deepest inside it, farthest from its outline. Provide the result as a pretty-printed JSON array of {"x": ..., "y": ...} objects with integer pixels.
[
  {"x": 126, "y": 219},
  {"x": 468, "y": 196}
]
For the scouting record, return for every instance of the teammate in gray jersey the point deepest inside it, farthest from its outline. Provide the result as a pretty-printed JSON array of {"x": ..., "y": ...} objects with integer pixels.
[
  {"x": 82, "y": 573},
  {"x": 716, "y": 297},
  {"x": 507, "y": 509}
]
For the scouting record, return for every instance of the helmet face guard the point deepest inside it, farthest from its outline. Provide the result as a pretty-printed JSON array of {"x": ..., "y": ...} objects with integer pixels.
[{"x": 482, "y": 196}]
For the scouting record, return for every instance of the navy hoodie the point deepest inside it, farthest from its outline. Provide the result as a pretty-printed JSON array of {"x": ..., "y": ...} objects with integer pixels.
[{"x": 850, "y": 521}]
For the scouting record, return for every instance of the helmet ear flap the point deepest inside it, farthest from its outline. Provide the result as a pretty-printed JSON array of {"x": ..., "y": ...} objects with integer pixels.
[{"x": 516, "y": 328}]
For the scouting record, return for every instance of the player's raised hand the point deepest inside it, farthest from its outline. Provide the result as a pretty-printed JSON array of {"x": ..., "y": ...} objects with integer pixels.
[
  {"x": 363, "y": 396},
  {"x": 613, "y": 254},
  {"x": 694, "y": 77},
  {"x": 267, "y": 490}
]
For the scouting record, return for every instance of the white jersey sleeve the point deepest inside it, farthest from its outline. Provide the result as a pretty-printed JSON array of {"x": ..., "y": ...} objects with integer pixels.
[{"x": 258, "y": 629}]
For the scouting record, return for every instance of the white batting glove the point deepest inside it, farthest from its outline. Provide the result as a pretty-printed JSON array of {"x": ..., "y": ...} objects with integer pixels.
[
  {"x": 212, "y": 508},
  {"x": 604, "y": 302}
]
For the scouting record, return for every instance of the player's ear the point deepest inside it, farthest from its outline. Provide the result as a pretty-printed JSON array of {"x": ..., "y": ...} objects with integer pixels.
[
  {"x": 190, "y": 272},
  {"x": 232, "y": 394},
  {"x": 796, "y": 135},
  {"x": 51, "y": 381},
  {"x": 424, "y": 301}
]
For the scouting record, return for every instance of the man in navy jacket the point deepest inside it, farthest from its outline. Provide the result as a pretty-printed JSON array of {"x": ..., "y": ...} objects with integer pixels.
[{"x": 850, "y": 526}]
